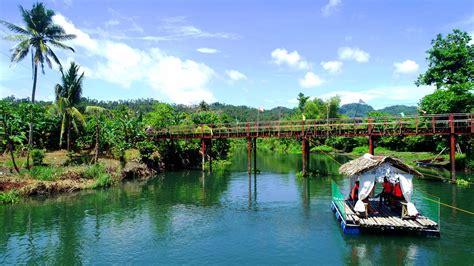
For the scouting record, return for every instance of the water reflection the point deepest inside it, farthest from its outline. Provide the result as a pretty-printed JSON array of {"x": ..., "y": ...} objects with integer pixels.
[{"x": 193, "y": 217}]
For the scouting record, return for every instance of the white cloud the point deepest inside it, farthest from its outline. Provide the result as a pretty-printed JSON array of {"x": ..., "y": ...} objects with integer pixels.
[
  {"x": 206, "y": 50},
  {"x": 330, "y": 7},
  {"x": 332, "y": 66},
  {"x": 353, "y": 53},
  {"x": 406, "y": 67},
  {"x": 235, "y": 75},
  {"x": 311, "y": 80},
  {"x": 82, "y": 39},
  {"x": 293, "y": 59},
  {"x": 383, "y": 96},
  {"x": 178, "y": 28},
  {"x": 183, "y": 81}
]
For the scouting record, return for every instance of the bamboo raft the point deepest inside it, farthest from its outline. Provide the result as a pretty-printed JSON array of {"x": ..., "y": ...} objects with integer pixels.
[{"x": 384, "y": 221}]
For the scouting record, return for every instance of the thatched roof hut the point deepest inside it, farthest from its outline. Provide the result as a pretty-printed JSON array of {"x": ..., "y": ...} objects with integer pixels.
[{"x": 369, "y": 162}]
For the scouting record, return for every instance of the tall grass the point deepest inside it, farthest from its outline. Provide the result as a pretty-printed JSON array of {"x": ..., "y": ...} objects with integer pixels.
[{"x": 45, "y": 173}]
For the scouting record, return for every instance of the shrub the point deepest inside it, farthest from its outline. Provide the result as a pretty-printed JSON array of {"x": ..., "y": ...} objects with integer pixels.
[
  {"x": 360, "y": 150},
  {"x": 9, "y": 197},
  {"x": 323, "y": 148},
  {"x": 37, "y": 155}
]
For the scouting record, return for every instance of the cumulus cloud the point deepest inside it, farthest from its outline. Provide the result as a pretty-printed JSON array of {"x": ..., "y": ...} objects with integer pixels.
[
  {"x": 353, "y": 53},
  {"x": 183, "y": 81},
  {"x": 311, "y": 80},
  {"x": 206, "y": 50},
  {"x": 330, "y": 7},
  {"x": 332, "y": 66},
  {"x": 406, "y": 67},
  {"x": 293, "y": 59},
  {"x": 235, "y": 75}
]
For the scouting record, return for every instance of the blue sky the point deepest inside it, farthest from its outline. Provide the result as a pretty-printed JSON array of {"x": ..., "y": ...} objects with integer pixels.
[{"x": 254, "y": 53}]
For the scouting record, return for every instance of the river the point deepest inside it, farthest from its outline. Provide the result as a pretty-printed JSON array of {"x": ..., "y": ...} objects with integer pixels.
[{"x": 223, "y": 218}]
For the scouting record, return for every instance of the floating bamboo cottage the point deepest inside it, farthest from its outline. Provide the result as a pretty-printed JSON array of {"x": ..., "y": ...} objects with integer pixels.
[{"x": 367, "y": 214}]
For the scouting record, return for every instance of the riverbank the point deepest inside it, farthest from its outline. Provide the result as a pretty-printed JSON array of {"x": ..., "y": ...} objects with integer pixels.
[{"x": 61, "y": 173}]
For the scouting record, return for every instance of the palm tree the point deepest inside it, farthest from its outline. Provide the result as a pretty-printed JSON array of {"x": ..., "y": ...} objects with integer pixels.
[
  {"x": 39, "y": 35},
  {"x": 68, "y": 96},
  {"x": 98, "y": 113}
]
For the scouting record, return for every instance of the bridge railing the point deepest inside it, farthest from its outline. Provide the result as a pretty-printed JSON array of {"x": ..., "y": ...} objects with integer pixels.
[{"x": 426, "y": 124}]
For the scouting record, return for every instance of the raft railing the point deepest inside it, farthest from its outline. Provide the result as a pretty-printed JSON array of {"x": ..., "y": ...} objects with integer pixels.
[{"x": 338, "y": 199}]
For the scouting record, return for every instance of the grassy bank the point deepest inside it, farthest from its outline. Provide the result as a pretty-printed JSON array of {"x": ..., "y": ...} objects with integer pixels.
[{"x": 60, "y": 172}]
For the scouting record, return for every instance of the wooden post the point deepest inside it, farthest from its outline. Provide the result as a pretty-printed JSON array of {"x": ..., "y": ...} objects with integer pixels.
[
  {"x": 249, "y": 155},
  {"x": 452, "y": 154},
  {"x": 304, "y": 150},
  {"x": 203, "y": 152},
  {"x": 255, "y": 155},
  {"x": 210, "y": 155},
  {"x": 371, "y": 144}
]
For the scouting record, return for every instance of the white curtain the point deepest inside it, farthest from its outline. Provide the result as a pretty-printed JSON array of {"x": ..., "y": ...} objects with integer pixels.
[
  {"x": 366, "y": 183},
  {"x": 407, "y": 190}
]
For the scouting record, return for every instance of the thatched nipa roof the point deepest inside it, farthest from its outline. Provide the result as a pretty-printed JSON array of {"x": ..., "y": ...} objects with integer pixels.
[{"x": 368, "y": 162}]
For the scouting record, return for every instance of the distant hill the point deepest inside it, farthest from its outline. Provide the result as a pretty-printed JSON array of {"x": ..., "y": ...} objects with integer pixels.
[
  {"x": 355, "y": 109},
  {"x": 363, "y": 109},
  {"x": 245, "y": 113},
  {"x": 397, "y": 109}
]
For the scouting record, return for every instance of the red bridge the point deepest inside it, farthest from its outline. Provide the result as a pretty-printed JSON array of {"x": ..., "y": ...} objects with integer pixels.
[{"x": 425, "y": 125}]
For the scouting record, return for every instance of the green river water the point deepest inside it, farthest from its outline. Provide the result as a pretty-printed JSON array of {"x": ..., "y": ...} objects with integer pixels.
[{"x": 223, "y": 218}]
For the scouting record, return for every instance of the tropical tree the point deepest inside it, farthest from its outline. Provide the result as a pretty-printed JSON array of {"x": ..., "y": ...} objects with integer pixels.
[
  {"x": 68, "y": 96},
  {"x": 451, "y": 70},
  {"x": 38, "y": 36},
  {"x": 98, "y": 113},
  {"x": 10, "y": 123}
]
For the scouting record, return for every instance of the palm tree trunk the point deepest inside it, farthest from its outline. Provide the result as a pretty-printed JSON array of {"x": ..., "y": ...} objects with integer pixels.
[
  {"x": 30, "y": 135},
  {"x": 69, "y": 134}
]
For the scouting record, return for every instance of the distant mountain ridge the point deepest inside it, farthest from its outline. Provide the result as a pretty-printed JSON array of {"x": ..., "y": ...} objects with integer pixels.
[{"x": 362, "y": 110}]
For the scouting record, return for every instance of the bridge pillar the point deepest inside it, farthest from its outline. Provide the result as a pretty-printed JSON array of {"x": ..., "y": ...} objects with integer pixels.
[
  {"x": 255, "y": 155},
  {"x": 371, "y": 145},
  {"x": 203, "y": 152},
  {"x": 249, "y": 155},
  {"x": 305, "y": 156},
  {"x": 452, "y": 154},
  {"x": 210, "y": 155}
]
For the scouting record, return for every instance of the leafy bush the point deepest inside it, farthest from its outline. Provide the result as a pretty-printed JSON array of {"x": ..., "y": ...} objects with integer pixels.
[
  {"x": 323, "y": 148},
  {"x": 9, "y": 197},
  {"x": 45, "y": 173},
  {"x": 360, "y": 150},
  {"x": 37, "y": 155}
]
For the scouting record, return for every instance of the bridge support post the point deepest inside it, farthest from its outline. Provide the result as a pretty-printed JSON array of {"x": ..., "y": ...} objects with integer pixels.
[
  {"x": 249, "y": 155},
  {"x": 255, "y": 155},
  {"x": 305, "y": 156},
  {"x": 203, "y": 153},
  {"x": 371, "y": 141},
  {"x": 452, "y": 154},
  {"x": 210, "y": 155},
  {"x": 371, "y": 145}
]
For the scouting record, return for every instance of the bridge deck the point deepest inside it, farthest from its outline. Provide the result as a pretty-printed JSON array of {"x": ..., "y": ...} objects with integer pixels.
[{"x": 426, "y": 125}]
